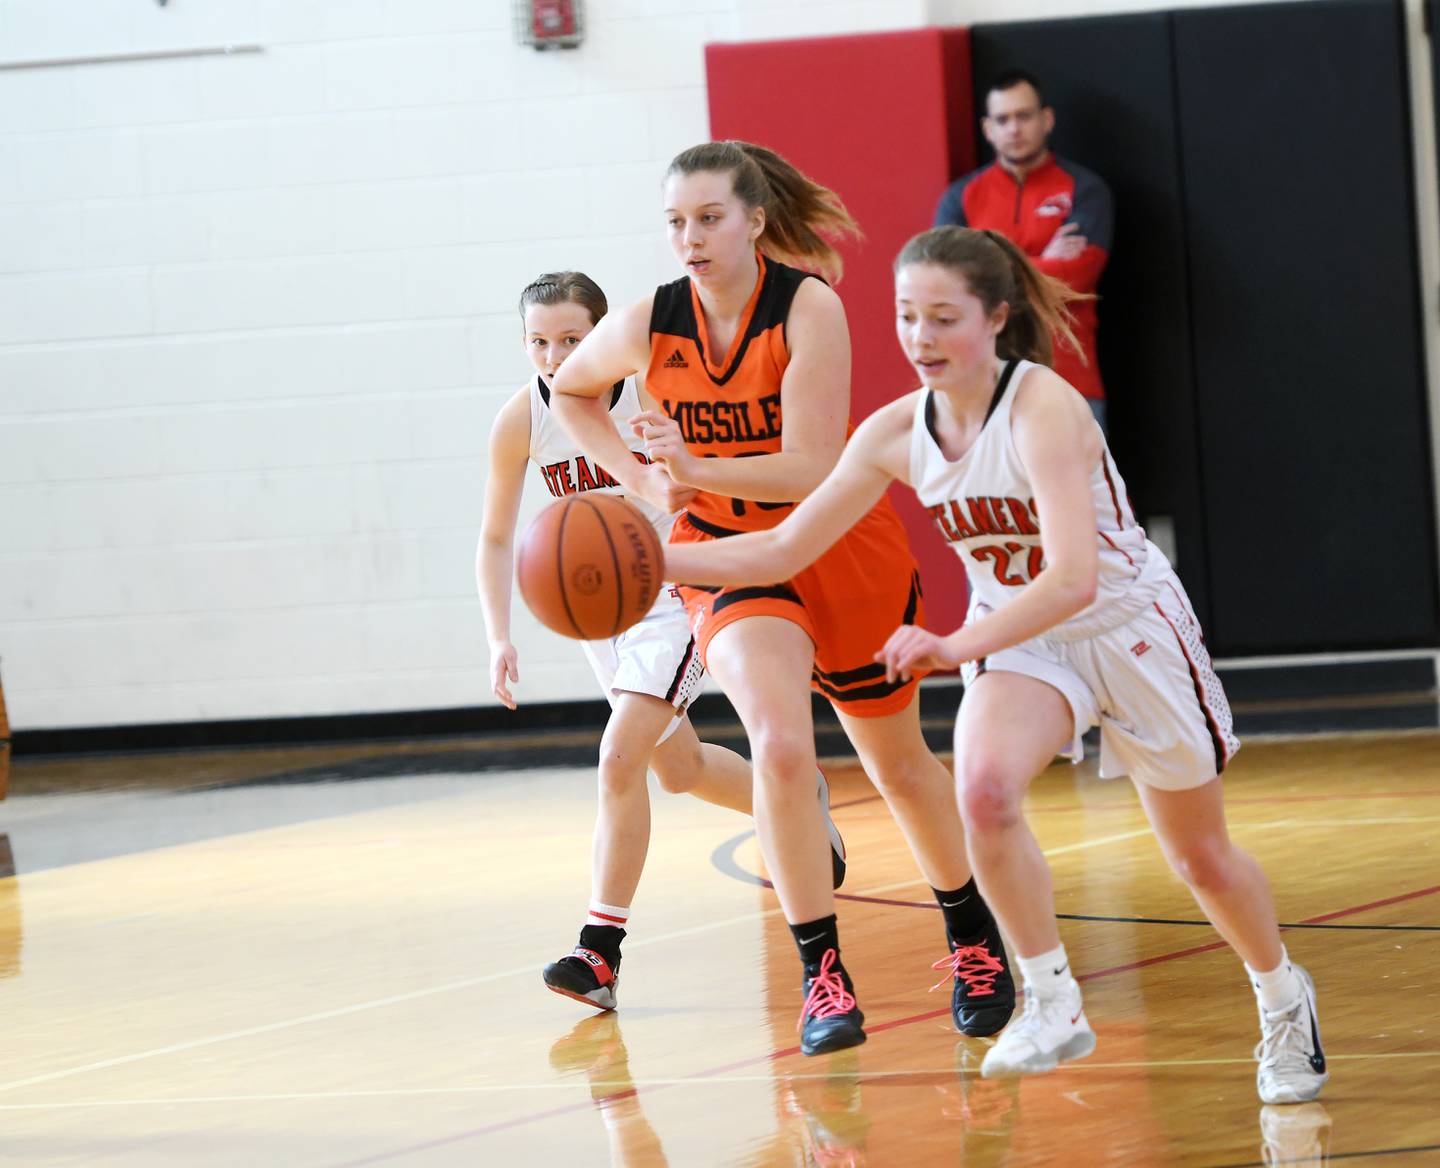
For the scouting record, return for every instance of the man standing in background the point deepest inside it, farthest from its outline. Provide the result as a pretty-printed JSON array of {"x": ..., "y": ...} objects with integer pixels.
[{"x": 1061, "y": 215}]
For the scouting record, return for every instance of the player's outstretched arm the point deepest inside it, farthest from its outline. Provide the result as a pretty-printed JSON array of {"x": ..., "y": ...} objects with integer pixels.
[
  {"x": 1059, "y": 444},
  {"x": 872, "y": 459},
  {"x": 495, "y": 554},
  {"x": 616, "y": 348}
]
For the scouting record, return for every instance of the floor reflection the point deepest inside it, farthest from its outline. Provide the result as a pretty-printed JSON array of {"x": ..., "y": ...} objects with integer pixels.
[
  {"x": 1295, "y": 1134},
  {"x": 985, "y": 1108},
  {"x": 825, "y": 1112},
  {"x": 11, "y": 924},
  {"x": 595, "y": 1048}
]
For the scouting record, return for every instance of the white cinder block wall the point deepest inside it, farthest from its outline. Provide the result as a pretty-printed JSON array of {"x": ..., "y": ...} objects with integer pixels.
[{"x": 257, "y": 311}]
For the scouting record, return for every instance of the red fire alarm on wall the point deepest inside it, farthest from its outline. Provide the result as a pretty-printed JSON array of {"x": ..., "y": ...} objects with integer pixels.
[{"x": 550, "y": 24}]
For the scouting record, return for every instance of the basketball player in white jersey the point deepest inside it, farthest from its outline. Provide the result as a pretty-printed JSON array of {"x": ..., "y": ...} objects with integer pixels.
[
  {"x": 649, "y": 673},
  {"x": 1018, "y": 478}
]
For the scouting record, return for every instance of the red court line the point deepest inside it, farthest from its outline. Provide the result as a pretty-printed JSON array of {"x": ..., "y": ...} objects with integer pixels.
[
  {"x": 1345, "y": 912},
  {"x": 786, "y": 1052},
  {"x": 883, "y": 900}
]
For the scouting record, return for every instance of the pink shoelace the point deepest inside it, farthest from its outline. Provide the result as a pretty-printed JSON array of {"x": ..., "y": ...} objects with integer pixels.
[
  {"x": 974, "y": 965},
  {"x": 828, "y": 996}
]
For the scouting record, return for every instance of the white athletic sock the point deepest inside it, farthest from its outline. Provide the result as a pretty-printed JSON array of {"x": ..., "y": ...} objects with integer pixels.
[
  {"x": 1276, "y": 988},
  {"x": 610, "y": 915},
  {"x": 1046, "y": 974}
]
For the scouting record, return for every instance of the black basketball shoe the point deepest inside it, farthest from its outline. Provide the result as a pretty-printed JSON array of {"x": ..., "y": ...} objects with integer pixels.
[
  {"x": 983, "y": 994},
  {"x": 585, "y": 976},
  {"x": 830, "y": 1019}
]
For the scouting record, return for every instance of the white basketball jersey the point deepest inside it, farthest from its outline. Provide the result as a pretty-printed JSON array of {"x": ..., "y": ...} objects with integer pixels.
[
  {"x": 984, "y": 506},
  {"x": 565, "y": 470}
]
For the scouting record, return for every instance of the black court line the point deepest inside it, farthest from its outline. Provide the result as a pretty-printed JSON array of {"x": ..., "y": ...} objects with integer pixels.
[
  {"x": 724, "y": 861},
  {"x": 1336, "y": 1156},
  {"x": 1149, "y": 920}
]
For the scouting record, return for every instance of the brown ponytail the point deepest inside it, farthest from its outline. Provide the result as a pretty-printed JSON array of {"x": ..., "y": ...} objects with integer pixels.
[
  {"x": 998, "y": 272},
  {"x": 801, "y": 216}
]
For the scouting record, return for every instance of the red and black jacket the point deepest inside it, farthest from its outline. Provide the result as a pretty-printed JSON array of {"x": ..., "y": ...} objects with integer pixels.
[{"x": 1029, "y": 213}]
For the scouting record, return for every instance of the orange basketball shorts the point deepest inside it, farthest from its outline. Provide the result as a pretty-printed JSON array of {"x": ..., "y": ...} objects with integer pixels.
[{"x": 848, "y": 602}]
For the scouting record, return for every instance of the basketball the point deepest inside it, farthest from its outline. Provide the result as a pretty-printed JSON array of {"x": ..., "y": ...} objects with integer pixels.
[{"x": 589, "y": 566}]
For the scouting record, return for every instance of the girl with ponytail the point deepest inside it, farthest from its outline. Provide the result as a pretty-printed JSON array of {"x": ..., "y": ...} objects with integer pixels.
[
  {"x": 748, "y": 358},
  {"x": 1076, "y": 619}
]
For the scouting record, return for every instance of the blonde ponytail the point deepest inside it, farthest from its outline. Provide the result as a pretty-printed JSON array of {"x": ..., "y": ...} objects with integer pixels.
[{"x": 802, "y": 218}]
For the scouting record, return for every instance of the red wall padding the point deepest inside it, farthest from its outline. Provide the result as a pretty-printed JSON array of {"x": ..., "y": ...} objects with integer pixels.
[{"x": 885, "y": 120}]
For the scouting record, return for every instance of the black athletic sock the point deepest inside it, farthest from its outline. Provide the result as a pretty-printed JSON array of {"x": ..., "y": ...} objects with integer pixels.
[
  {"x": 605, "y": 940},
  {"x": 965, "y": 911},
  {"x": 814, "y": 937}
]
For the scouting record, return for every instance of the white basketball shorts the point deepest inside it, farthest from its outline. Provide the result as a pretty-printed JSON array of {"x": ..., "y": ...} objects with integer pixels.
[
  {"x": 1148, "y": 684},
  {"x": 656, "y": 656}
]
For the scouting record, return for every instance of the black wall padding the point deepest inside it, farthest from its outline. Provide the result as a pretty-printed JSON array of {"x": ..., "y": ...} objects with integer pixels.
[
  {"x": 1432, "y": 31},
  {"x": 1294, "y": 130},
  {"x": 1110, "y": 81},
  {"x": 1260, "y": 318}
]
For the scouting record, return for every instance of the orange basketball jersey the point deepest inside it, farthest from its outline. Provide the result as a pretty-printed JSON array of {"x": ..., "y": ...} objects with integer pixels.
[{"x": 727, "y": 407}]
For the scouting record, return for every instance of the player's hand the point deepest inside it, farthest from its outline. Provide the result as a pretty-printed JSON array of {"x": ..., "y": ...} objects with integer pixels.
[
  {"x": 664, "y": 443},
  {"x": 1065, "y": 244},
  {"x": 504, "y": 669},
  {"x": 910, "y": 648},
  {"x": 660, "y": 490}
]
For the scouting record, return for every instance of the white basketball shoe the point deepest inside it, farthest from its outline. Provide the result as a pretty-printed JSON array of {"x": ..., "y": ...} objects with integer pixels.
[
  {"x": 1292, "y": 1061},
  {"x": 1050, "y": 1031}
]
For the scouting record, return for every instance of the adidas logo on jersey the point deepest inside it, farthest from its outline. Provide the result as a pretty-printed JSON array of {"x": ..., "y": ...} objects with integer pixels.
[{"x": 676, "y": 360}]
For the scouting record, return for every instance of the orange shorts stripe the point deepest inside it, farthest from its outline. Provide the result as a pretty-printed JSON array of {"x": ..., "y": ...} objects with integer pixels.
[{"x": 848, "y": 603}]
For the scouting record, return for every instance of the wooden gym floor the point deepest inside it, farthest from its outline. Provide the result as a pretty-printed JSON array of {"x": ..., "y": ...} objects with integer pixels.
[{"x": 257, "y": 958}]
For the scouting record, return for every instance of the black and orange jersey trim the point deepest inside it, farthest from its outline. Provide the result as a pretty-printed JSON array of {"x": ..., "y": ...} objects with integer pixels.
[
  {"x": 867, "y": 682},
  {"x": 726, "y": 407}
]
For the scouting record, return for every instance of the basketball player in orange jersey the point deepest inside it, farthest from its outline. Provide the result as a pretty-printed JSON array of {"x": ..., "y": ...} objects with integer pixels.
[
  {"x": 649, "y": 673},
  {"x": 1076, "y": 619},
  {"x": 749, "y": 359}
]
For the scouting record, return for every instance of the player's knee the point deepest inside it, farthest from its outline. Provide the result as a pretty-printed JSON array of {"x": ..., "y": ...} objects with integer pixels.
[
  {"x": 783, "y": 756},
  {"x": 903, "y": 780},
  {"x": 989, "y": 799},
  {"x": 674, "y": 782},
  {"x": 621, "y": 767},
  {"x": 1204, "y": 865},
  {"x": 676, "y": 768}
]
